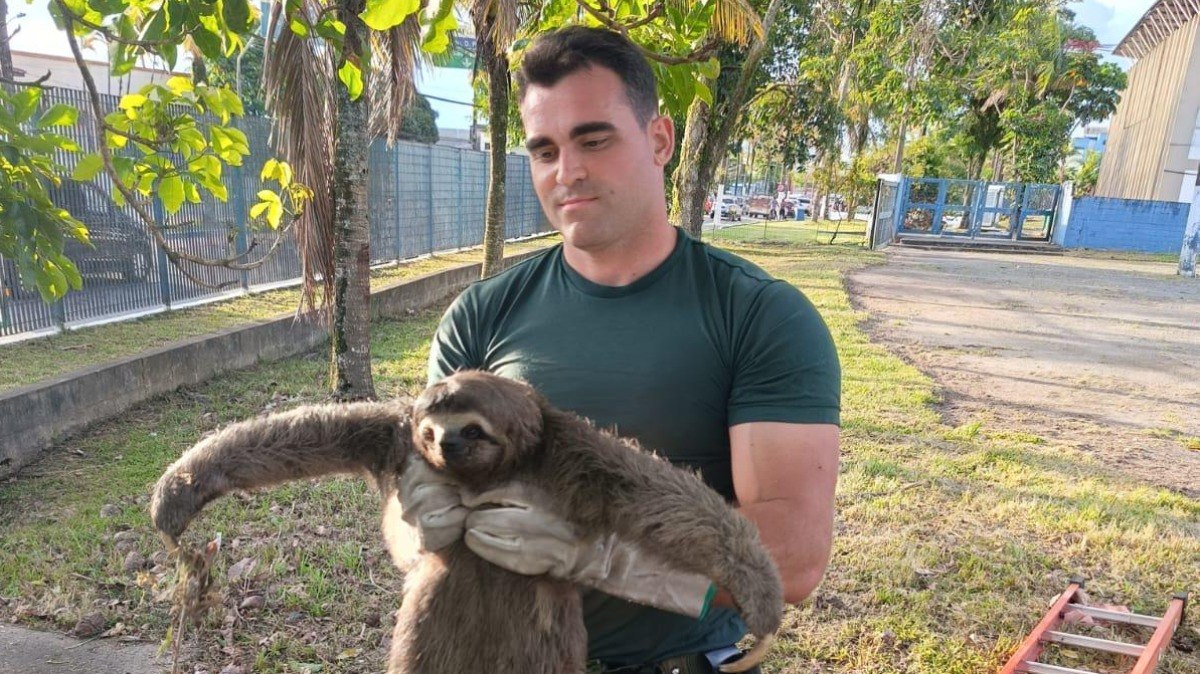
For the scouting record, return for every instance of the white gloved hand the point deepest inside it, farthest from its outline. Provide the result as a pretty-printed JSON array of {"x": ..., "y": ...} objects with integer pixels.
[
  {"x": 520, "y": 536},
  {"x": 432, "y": 505}
]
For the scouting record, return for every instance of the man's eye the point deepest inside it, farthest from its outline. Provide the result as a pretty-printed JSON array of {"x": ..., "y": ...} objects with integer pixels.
[
  {"x": 544, "y": 155},
  {"x": 472, "y": 432},
  {"x": 596, "y": 143}
]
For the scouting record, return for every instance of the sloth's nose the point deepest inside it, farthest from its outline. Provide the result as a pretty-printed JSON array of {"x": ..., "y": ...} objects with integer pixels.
[{"x": 453, "y": 448}]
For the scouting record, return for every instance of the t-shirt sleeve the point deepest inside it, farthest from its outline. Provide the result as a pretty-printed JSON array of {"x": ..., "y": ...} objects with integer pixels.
[
  {"x": 786, "y": 365},
  {"x": 455, "y": 343}
]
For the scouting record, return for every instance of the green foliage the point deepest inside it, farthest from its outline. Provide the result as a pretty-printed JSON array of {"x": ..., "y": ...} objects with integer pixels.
[
  {"x": 32, "y": 228},
  {"x": 420, "y": 122},
  {"x": 1087, "y": 174},
  {"x": 224, "y": 71},
  {"x": 169, "y": 142}
]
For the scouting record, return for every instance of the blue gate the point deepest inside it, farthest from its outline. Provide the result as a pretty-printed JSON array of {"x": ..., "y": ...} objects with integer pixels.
[{"x": 976, "y": 209}]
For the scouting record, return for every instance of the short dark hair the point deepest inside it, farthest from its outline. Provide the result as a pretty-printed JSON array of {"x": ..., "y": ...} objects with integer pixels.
[{"x": 568, "y": 50}]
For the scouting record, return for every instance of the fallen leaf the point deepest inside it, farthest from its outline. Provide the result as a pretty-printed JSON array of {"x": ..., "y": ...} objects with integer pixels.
[
  {"x": 241, "y": 569},
  {"x": 90, "y": 625}
]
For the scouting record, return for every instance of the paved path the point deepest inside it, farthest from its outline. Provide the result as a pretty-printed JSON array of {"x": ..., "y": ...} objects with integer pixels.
[
  {"x": 24, "y": 651},
  {"x": 1100, "y": 354}
]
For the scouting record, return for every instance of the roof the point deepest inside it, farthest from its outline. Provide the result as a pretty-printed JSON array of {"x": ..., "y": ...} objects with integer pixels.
[{"x": 1163, "y": 18}]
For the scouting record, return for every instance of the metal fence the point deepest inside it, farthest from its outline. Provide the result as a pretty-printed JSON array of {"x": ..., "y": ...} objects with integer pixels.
[{"x": 424, "y": 198}]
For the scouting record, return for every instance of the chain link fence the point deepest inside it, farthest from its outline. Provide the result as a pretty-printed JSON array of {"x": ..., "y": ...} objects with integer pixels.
[{"x": 424, "y": 198}]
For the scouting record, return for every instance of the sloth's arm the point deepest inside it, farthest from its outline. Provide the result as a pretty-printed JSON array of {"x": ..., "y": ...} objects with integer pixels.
[
  {"x": 609, "y": 486},
  {"x": 306, "y": 442}
]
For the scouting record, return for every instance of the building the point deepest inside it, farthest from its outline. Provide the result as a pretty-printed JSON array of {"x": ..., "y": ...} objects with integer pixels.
[
  {"x": 1153, "y": 149},
  {"x": 1094, "y": 138},
  {"x": 64, "y": 73}
]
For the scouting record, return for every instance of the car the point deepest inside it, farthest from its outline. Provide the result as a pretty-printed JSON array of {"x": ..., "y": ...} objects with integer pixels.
[
  {"x": 730, "y": 210},
  {"x": 121, "y": 249},
  {"x": 762, "y": 206}
]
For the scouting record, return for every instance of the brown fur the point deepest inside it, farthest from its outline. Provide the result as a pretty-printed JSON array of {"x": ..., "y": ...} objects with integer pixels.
[{"x": 460, "y": 613}]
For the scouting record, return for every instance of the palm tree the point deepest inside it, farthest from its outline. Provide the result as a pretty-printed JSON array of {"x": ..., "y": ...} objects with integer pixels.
[
  {"x": 496, "y": 23},
  {"x": 324, "y": 131}
]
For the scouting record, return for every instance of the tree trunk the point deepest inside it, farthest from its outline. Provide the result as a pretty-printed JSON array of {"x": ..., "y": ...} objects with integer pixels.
[
  {"x": 687, "y": 208},
  {"x": 350, "y": 330},
  {"x": 898, "y": 164},
  {"x": 6, "y": 65},
  {"x": 704, "y": 142},
  {"x": 496, "y": 66}
]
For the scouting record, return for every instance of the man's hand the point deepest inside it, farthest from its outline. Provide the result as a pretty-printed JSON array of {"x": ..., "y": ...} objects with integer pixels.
[
  {"x": 431, "y": 505},
  {"x": 519, "y": 536}
]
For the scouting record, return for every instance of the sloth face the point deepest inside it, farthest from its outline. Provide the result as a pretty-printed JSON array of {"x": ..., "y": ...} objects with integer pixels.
[{"x": 476, "y": 426}]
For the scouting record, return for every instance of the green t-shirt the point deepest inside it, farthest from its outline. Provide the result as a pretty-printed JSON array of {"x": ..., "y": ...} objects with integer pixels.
[{"x": 705, "y": 341}]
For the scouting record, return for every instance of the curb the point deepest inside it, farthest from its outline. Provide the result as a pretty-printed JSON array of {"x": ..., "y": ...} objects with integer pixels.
[{"x": 39, "y": 415}]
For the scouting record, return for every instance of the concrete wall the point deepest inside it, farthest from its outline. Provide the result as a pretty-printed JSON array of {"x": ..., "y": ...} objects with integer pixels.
[
  {"x": 1126, "y": 224},
  {"x": 37, "y": 416}
]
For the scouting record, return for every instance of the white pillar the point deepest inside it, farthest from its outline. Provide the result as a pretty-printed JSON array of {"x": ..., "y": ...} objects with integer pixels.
[{"x": 1191, "y": 240}]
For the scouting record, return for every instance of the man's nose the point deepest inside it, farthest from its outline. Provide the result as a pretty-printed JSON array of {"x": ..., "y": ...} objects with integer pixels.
[{"x": 571, "y": 167}]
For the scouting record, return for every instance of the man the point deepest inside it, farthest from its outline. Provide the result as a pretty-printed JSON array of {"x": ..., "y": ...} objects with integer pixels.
[{"x": 631, "y": 323}]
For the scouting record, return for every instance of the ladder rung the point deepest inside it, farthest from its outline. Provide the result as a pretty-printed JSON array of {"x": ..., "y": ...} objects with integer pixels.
[
  {"x": 1039, "y": 668},
  {"x": 1095, "y": 644},
  {"x": 1115, "y": 616}
]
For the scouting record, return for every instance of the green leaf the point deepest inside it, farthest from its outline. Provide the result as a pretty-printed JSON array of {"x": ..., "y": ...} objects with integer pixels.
[
  {"x": 87, "y": 168},
  {"x": 299, "y": 27},
  {"x": 437, "y": 35},
  {"x": 130, "y": 101},
  {"x": 170, "y": 190},
  {"x": 25, "y": 103},
  {"x": 351, "y": 76},
  {"x": 59, "y": 115},
  {"x": 385, "y": 14},
  {"x": 704, "y": 93},
  {"x": 258, "y": 209},
  {"x": 180, "y": 85},
  {"x": 237, "y": 15},
  {"x": 710, "y": 68}
]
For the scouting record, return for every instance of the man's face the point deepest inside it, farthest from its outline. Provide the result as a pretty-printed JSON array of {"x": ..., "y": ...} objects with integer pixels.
[{"x": 597, "y": 171}]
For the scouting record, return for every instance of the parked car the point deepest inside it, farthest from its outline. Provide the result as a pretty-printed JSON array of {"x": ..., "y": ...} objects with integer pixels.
[
  {"x": 730, "y": 210},
  {"x": 121, "y": 249},
  {"x": 762, "y": 206}
]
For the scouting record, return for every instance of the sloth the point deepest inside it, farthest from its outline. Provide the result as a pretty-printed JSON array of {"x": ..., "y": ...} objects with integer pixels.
[{"x": 482, "y": 431}]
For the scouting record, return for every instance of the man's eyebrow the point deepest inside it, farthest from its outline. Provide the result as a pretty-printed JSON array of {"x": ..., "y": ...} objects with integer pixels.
[
  {"x": 582, "y": 130},
  {"x": 537, "y": 142},
  {"x": 591, "y": 127}
]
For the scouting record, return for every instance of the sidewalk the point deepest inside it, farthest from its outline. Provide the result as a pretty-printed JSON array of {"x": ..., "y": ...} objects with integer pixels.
[{"x": 25, "y": 651}]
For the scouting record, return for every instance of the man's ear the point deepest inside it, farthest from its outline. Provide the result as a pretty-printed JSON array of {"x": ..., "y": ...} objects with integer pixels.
[{"x": 662, "y": 138}]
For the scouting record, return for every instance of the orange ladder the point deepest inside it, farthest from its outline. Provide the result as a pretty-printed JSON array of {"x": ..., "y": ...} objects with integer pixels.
[{"x": 1025, "y": 658}]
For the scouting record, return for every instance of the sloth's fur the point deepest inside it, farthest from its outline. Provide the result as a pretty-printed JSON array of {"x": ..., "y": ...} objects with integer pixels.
[{"x": 460, "y": 614}]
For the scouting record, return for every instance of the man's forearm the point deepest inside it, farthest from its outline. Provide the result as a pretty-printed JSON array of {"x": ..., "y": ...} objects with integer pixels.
[{"x": 800, "y": 548}]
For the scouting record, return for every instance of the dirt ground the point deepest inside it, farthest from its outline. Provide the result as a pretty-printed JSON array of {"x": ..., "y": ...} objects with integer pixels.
[{"x": 1098, "y": 354}]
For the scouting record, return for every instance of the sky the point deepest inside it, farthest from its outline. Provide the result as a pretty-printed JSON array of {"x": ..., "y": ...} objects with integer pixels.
[{"x": 1110, "y": 19}]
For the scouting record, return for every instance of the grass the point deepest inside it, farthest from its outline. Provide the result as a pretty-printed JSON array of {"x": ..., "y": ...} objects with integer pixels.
[
  {"x": 30, "y": 361},
  {"x": 789, "y": 232},
  {"x": 950, "y": 541}
]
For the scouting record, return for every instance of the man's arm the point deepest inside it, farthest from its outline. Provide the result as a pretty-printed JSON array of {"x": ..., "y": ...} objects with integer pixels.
[{"x": 784, "y": 477}]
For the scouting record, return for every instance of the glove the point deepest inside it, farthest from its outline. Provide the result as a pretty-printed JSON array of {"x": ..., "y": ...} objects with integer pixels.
[
  {"x": 432, "y": 505},
  {"x": 519, "y": 536}
]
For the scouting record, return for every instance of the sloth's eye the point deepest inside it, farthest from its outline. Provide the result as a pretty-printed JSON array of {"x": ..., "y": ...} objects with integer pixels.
[
  {"x": 471, "y": 432},
  {"x": 427, "y": 435}
]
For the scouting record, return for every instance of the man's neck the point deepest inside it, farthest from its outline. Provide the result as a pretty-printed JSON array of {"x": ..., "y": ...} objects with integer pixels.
[{"x": 623, "y": 264}]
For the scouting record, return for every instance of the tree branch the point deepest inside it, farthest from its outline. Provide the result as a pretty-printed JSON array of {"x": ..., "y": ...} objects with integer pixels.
[
  {"x": 39, "y": 82},
  {"x": 604, "y": 16},
  {"x": 70, "y": 16},
  {"x": 173, "y": 255}
]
